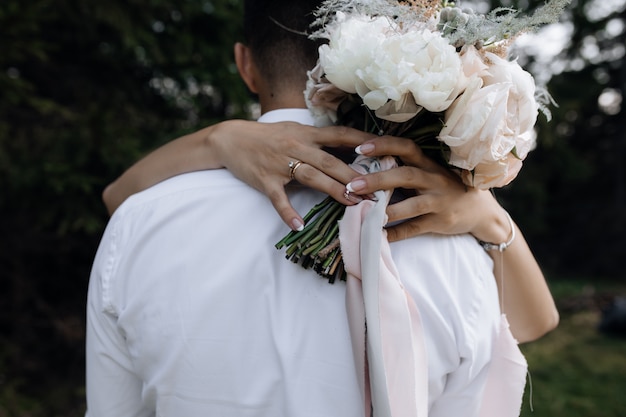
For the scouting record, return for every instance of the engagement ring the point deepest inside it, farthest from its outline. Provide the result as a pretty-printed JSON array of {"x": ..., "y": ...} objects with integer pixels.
[{"x": 293, "y": 165}]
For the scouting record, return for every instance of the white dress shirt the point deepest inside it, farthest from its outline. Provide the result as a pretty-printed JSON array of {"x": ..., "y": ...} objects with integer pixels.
[{"x": 193, "y": 312}]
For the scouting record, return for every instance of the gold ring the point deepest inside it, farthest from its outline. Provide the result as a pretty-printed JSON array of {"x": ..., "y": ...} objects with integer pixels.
[
  {"x": 346, "y": 195},
  {"x": 293, "y": 165}
]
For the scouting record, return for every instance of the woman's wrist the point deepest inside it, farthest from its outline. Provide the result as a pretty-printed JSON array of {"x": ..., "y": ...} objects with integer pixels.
[
  {"x": 495, "y": 225},
  {"x": 222, "y": 141},
  {"x": 501, "y": 245}
]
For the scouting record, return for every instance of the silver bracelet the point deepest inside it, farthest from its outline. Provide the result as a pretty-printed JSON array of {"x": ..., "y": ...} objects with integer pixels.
[{"x": 500, "y": 247}]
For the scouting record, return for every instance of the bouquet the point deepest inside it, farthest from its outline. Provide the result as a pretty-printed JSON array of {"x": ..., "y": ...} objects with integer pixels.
[{"x": 428, "y": 71}]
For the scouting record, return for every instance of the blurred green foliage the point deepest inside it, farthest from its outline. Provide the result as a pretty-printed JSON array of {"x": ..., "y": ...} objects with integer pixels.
[
  {"x": 87, "y": 87},
  {"x": 570, "y": 198}
]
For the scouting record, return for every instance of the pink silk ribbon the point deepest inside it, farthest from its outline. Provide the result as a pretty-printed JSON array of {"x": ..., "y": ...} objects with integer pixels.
[
  {"x": 506, "y": 379},
  {"x": 386, "y": 329},
  {"x": 385, "y": 326}
]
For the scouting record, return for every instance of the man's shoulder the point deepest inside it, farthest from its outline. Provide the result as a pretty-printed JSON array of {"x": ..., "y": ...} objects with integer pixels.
[{"x": 182, "y": 187}]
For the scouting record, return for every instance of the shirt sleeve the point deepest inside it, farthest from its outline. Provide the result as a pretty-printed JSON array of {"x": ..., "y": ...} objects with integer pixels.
[{"x": 113, "y": 389}]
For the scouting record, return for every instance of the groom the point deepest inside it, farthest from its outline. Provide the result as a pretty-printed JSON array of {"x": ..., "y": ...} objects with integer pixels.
[{"x": 192, "y": 312}]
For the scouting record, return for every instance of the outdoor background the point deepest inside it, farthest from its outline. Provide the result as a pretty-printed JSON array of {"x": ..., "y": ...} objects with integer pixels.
[{"x": 87, "y": 87}]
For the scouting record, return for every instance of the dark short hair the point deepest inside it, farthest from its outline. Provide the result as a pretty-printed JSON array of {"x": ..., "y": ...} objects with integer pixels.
[{"x": 276, "y": 33}]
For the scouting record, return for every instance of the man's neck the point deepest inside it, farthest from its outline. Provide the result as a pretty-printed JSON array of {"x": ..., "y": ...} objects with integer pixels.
[{"x": 274, "y": 100}]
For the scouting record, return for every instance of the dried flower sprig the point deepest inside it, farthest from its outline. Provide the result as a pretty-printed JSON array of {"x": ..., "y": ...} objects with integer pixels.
[{"x": 465, "y": 27}]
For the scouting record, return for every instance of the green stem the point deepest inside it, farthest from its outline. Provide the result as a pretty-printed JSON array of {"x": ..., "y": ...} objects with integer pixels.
[
  {"x": 322, "y": 239},
  {"x": 294, "y": 234},
  {"x": 302, "y": 240}
]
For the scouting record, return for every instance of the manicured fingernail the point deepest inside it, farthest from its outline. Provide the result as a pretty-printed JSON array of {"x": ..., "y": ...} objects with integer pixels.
[
  {"x": 355, "y": 186},
  {"x": 354, "y": 198},
  {"x": 364, "y": 148},
  {"x": 296, "y": 224}
]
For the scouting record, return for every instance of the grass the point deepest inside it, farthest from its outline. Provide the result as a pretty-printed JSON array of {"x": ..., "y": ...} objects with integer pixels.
[{"x": 576, "y": 371}]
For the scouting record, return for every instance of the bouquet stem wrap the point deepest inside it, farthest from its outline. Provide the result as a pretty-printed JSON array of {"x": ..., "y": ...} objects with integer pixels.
[{"x": 385, "y": 324}]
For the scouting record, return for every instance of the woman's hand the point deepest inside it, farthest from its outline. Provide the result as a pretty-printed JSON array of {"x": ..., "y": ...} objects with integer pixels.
[
  {"x": 442, "y": 203},
  {"x": 259, "y": 154}
]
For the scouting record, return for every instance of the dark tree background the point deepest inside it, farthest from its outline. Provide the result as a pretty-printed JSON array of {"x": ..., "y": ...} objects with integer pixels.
[{"x": 87, "y": 87}]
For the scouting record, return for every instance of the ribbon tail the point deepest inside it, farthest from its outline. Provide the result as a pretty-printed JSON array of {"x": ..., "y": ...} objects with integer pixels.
[
  {"x": 385, "y": 326},
  {"x": 356, "y": 321},
  {"x": 370, "y": 244}
]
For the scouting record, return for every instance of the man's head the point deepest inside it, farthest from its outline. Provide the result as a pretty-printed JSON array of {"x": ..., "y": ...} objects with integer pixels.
[{"x": 277, "y": 51}]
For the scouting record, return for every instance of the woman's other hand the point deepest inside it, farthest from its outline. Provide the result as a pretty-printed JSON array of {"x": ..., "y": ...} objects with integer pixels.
[
  {"x": 441, "y": 203},
  {"x": 259, "y": 154}
]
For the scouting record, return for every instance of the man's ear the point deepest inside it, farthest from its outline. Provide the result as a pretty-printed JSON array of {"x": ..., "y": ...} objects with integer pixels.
[{"x": 245, "y": 66}]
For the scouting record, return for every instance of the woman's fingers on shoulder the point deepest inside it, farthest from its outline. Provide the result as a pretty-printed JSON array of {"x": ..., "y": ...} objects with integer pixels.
[
  {"x": 400, "y": 177},
  {"x": 330, "y": 165},
  {"x": 325, "y": 162},
  {"x": 282, "y": 205},
  {"x": 392, "y": 145},
  {"x": 429, "y": 222},
  {"x": 406, "y": 149},
  {"x": 312, "y": 177},
  {"x": 411, "y": 208},
  {"x": 409, "y": 229}
]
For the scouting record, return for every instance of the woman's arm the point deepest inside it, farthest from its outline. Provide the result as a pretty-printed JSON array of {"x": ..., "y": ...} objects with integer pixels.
[
  {"x": 524, "y": 293},
  {"x": 257, "y": 153},
  {"x": 186, "y": 154}
]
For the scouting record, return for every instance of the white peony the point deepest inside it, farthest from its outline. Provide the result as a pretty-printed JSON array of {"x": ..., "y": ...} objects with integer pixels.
[
  {"x": 420, "y": 64},
  {"x": 433, "y": 71},
  {"x": 395, "y": 73},
  {"x": 351, "y": 47}
]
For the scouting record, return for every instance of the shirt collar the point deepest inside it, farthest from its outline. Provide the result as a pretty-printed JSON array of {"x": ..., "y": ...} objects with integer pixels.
[{"x": 302, "y": 116}]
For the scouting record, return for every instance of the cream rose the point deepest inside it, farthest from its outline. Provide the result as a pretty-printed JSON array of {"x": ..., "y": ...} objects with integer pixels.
[
  {"x": 493, "y": 174},
  {"x": 493, "y": 117},
  {"x": 522, "y": 109}
]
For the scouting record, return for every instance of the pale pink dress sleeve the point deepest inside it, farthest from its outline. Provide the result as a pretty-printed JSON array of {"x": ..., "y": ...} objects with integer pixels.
[{"x": 506, "y": 379}]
